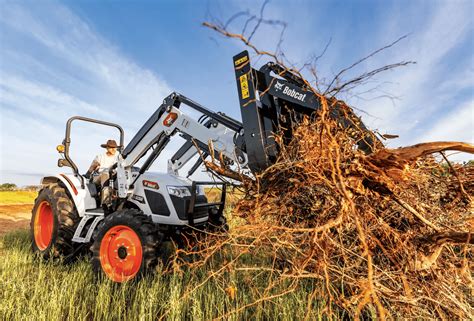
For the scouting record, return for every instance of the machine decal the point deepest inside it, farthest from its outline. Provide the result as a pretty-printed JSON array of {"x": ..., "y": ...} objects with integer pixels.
[
  {"x": 293, "y": 93},
  {"x": 170, "y": 119},
  {"x": 74, "y": 189},
  {"x": 244, "y": 86},
  {"x": 278, "y": 86},
  {"x": 289, "y": 91},
  {"x": 241, "y": 60},
  {"x": 151, "y": 184},
  {"x": 139, "y": 198}
]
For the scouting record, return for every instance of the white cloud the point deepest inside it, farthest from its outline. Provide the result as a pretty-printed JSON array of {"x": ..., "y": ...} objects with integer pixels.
[
  {"x": 455, "y": 125},
  {"x": 53, "y": 66},
  {"x": 458, "y": 123},
  {"x": 43, "y": 100},
  {"x": 429, "y": 90},
  {"x": 113, "y": 80}
]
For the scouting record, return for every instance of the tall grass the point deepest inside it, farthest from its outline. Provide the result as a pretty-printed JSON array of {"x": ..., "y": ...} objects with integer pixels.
[{"x": 32, "y": 289}]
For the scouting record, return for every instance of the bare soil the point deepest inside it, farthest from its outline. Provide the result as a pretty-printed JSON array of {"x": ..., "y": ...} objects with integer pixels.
[{"x": 14, "y": 217}]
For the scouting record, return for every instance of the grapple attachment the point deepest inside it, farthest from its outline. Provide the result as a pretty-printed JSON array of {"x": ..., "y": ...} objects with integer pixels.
[{"x": 272, "y": 99}]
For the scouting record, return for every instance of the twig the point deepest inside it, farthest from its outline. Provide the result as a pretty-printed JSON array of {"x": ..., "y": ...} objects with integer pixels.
[
  {"x": 415, "y": 213},
  {"x": 461, "y": 186}
]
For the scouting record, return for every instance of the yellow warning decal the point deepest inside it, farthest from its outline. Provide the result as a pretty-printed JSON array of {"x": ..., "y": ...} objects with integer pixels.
[
  {"x": 244, "y": 86},
  {"x": 241, "y": 60}
]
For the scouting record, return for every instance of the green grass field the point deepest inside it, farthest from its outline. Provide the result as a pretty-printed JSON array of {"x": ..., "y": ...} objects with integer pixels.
[
  {"x": 32, "y": 289},
  {"x": 17, "y": 197}
]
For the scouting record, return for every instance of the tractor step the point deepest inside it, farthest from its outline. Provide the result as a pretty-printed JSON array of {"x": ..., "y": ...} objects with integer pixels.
[
  {"x": 87, "y": 229},
  {"x": 95, "y": 211}
]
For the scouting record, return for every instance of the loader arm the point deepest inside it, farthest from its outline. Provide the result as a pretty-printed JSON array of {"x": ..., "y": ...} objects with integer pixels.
[{"x": 214, "y": 134}]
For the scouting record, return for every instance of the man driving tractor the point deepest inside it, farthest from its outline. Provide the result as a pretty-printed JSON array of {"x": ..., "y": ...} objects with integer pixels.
[{"x": 102, "y": 164}]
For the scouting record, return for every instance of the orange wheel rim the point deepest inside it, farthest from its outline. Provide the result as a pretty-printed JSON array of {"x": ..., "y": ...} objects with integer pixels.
[
  {"x": 43, "y": 225},
  {"x": 121, "y": 253}
]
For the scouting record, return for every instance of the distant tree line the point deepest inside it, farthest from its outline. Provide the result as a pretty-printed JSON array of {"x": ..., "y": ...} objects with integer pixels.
[
  {"x": 13, "y": 187},
  {"x": 8, "y": 187}
]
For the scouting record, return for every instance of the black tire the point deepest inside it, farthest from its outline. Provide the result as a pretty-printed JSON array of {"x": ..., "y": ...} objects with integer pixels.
[
  {"x": 53, "y": 200},
  {"x": 190, "y": 239},
  {"x": 131, "y": 221},
  {"x": 218, "y": 224}
]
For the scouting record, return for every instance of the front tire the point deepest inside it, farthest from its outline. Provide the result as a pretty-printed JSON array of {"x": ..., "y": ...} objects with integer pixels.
[
  {"x": 53, "y": 222},
  {"x": 125, "y": 246},
  {"x": 218, "y": 224}
]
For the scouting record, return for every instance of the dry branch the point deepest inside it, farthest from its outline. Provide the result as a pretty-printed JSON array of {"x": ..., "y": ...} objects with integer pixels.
[
  {"x": 380, "y": 232},
  {"x": 371, "y": 228}
]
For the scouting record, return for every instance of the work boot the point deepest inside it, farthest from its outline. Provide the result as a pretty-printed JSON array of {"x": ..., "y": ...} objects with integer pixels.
[{"x": 106, "y": 196}]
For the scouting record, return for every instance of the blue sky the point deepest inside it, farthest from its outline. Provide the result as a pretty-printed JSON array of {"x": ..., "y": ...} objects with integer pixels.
[{"x": 117, "y": 60}]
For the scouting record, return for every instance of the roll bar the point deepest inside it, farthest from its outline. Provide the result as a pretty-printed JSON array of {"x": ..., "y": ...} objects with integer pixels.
[{"x": 67, "y": 140}]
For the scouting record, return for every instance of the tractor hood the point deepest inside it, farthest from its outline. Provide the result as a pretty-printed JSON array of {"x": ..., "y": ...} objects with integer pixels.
[{"x": 163, "y": 180}]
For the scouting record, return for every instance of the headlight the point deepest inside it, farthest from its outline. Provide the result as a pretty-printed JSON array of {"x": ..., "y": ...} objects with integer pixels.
[{"x": 178, "y": 191}]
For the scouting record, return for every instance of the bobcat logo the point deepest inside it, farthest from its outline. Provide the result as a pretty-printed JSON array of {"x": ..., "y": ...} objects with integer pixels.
[
  {"x": 278, "y": 86},
  {"x": 169, "y": 120}
]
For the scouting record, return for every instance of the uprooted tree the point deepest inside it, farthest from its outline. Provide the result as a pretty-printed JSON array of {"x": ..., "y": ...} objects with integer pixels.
[{"x": 387, "y": 233}]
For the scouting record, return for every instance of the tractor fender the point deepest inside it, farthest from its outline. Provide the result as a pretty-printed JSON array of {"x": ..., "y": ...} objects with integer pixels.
[{"x": 81, "y": 197}]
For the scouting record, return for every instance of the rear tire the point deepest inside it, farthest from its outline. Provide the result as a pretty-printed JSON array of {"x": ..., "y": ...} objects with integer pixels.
[
  {"x": 53, "y": 222},
  {"x": 126, "y": 245}
]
